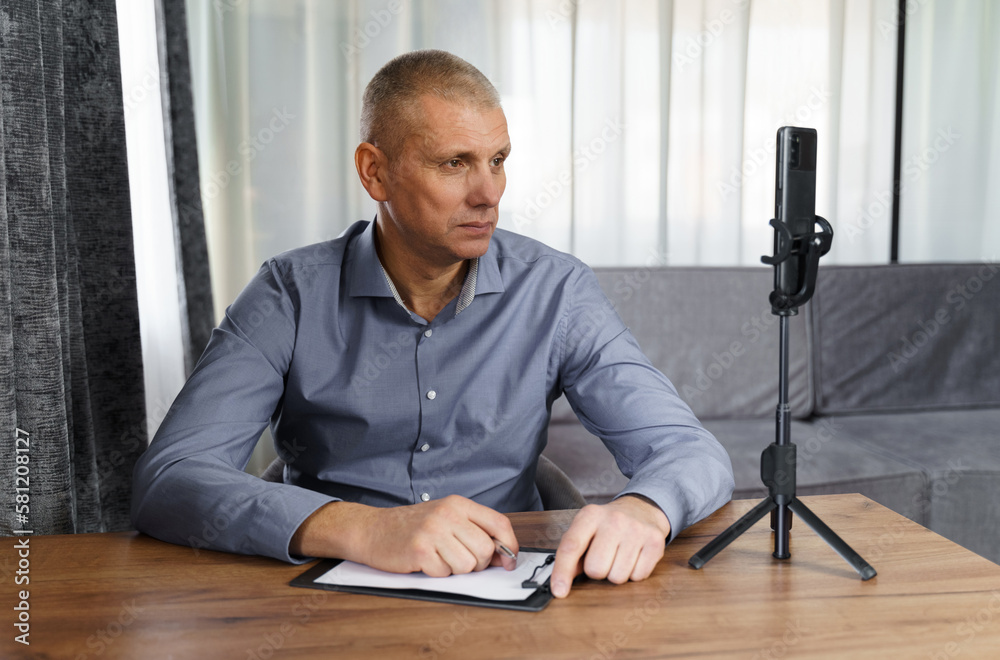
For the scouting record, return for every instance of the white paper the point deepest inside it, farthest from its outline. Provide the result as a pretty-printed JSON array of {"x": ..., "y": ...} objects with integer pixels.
[{"x": 492, "y": 583}]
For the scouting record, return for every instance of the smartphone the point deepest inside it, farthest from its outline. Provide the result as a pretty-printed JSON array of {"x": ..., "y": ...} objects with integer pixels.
[{"x": 794, "y": 199}]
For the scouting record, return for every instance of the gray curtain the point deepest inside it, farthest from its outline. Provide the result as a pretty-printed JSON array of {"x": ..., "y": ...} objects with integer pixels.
[
  {"x": 71, "y": 381},
  {"x": 197, "y": 315}
]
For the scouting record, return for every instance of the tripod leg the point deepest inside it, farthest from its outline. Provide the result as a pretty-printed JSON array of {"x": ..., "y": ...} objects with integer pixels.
[
  {"x": 863, "y": 568},
  {"x": 731, "y": 533}
]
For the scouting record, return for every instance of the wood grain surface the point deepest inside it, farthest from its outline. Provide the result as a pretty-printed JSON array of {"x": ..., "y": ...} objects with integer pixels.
[{"x": 126, "y": 595}]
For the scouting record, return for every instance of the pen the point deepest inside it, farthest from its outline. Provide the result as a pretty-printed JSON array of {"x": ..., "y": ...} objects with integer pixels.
[{"x": 504, "y": 550}]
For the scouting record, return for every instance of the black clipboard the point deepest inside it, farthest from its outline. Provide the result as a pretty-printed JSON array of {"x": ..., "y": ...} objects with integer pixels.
[{"x": 533, "y": 603}]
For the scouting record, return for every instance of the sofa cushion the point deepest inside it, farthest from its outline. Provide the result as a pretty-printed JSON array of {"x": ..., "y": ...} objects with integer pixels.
[
  {"x": 711, "y": 331},
  {"x": 827, "y": 463},
  {"x": 907, "y": 337},
  {"x": 959, "y": 451}
]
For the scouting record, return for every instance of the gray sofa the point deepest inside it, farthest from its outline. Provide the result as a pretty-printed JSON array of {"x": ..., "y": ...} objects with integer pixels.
[{"x": 894, "y": 385}]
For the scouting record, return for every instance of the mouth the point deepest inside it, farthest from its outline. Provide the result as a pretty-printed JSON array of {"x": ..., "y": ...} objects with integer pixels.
[{"x": 477, "y": 227}]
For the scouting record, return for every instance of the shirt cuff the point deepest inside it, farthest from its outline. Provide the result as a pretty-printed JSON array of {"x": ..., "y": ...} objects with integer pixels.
[{"x": 279, "y": 516}]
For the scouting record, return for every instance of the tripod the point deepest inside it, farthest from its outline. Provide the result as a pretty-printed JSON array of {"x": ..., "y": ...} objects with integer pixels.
[{"x": 778, "y": 461}]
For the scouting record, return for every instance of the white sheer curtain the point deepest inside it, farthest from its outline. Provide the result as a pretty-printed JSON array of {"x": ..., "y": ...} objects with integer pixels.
[
  {"x": 950, "y": 200},
  {"x": 155, "y": 257},
  {"x": 642, "y": 131}
]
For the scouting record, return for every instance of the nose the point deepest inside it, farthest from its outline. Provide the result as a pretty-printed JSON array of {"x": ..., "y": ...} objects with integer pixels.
[{"x": 486, "y": 187}]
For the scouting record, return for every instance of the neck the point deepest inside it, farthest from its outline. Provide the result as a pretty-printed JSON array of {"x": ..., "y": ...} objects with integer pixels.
[{"x": 425, "y": 288}]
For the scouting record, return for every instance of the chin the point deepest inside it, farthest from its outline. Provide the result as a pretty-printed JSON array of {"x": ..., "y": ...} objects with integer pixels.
[
  {"x": 473, "y": 250},
  {"x": 475, "y": 244}
]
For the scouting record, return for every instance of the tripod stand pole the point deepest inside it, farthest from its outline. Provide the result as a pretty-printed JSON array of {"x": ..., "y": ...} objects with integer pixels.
[
  {"x": 781, "y": 517},
  {"x": 778, "y": 463}
]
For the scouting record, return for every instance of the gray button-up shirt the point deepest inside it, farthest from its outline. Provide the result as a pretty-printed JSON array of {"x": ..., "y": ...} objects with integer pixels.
[{"x": 370, "y": 403}]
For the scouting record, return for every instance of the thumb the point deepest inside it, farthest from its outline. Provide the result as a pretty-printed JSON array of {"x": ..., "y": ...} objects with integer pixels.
[{"x": 563, "y": 574}]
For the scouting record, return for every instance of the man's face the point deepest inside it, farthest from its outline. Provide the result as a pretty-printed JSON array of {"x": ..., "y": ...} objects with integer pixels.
[{"x": 444, "y": 189}]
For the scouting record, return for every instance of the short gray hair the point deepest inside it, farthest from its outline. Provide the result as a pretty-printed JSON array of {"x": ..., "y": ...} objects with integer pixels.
[{"x": 390, "y": 103}]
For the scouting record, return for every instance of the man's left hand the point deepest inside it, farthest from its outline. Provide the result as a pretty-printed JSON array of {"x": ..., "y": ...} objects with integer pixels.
[{"x": 620, "y": 541}]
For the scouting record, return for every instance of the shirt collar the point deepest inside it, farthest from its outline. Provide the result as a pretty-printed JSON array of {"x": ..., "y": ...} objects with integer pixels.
[
  {"x": 368, "y": 278},
  {"x": 364, "y": 269},
  {"x": 488, "y": 278}
]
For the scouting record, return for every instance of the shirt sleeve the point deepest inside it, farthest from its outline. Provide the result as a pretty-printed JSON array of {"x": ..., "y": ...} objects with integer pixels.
[
  {"x": 619, "y": 396},
  {"x": 189, "y": 485}
]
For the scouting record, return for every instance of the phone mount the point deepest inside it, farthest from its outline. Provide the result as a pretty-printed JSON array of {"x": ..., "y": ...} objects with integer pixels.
[
  {"x": 778, "y": 461},
  {"x": 810, "y": 247}
]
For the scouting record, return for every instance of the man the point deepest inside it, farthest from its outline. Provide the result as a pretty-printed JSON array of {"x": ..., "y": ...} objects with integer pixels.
[{"x": 408, "y": 370}]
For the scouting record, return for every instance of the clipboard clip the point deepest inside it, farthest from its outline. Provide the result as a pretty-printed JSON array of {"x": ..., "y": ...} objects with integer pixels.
[{"x": 530, "y": 582}]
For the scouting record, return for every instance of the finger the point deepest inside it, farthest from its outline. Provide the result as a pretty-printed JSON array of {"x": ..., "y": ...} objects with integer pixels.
[
  {"x": 495, "y": 524},
  {"x": 478, "y": 542},
  {"x": 600, "y": 555},
  {"x": 623, "y": 566},
  {"x": 458, "y": 557},
  {"x": 498, "y": 527},
  {"x": 507, "y": 557},
  {"x": 649, "y": 557},
  {"x": 481, "y": 528},
  {"x": 428, "y": 559},
  {"x": 570, "y": 552},
  {"x": 503, "y": 561}
]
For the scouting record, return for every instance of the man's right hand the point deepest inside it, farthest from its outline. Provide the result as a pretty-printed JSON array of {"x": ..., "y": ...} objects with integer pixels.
[{"x": 449, "y": 536}]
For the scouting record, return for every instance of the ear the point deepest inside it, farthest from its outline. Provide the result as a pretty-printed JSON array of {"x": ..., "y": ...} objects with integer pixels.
[{"x": 373, "y": 167}]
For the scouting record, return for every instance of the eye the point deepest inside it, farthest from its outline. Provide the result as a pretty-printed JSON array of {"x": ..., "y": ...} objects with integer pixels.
[
  {"x": 454, "y": 162},
  {"x": 497, "y": 161}
]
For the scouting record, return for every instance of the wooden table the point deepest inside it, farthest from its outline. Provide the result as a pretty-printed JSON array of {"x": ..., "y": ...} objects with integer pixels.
[{"x": 126, "y": 595}]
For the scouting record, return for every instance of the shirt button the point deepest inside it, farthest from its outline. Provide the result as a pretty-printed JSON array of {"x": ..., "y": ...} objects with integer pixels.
[
  {"x": 431, "y": 394},
  {"x": 425, "y": 447},
  {"x": 424, "y": 497},
  {"x": 428, "y": 333}
]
